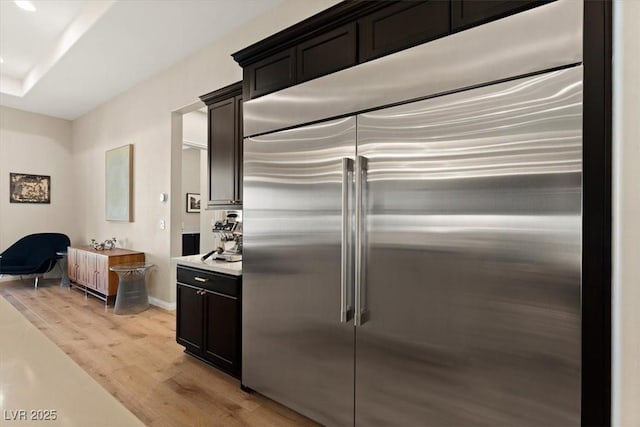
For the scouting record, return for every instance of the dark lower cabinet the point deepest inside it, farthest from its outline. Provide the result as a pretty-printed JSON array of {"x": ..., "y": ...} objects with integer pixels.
[
  {"x": 190, "y": 318},
  {"x": 208, "y": 319},
  {"x": 221, "y": 343}
]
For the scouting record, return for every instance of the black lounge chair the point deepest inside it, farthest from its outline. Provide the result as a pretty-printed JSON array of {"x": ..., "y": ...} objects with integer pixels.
[{"x": 33, "y": 254}]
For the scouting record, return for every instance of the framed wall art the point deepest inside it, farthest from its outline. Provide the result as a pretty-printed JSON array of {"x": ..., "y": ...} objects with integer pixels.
[
  {"x": 28, "y": 188},
  {"x": 193, "y": 202},
  {"x": 118, "y": 180}
]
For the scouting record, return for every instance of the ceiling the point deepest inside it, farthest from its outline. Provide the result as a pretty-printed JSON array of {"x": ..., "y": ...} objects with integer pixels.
[{"x": 70, "y": 56}]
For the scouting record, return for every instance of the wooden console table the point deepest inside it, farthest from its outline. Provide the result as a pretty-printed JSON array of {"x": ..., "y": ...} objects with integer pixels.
[{"x": 88, "y": 270}]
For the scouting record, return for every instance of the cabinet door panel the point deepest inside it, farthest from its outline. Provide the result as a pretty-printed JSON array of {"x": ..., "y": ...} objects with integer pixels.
[
  {"x": 72, "y": 264},
  {"x": 327, "y": 53},
  {"x": 467, "y": 13},
  {"x": 225, "y": 145},
  {"x": 272, "y": 73},
  {"x": 102, "y": 273},
  {"x": 189, "y": 318},
  {"x": 239, "y": 148},
  {"x": 221, "y": 343},
  {"x": 222, "y": 146},
  {"x": 82, "y": 267},
  {"x": 402, "y": 25},
  {"x": 90, "y": 270}
]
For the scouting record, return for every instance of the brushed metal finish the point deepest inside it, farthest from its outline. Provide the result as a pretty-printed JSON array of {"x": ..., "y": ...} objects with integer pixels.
[
  {"x": 295, "y": 349},
  {"x": 473, "y": 229},
  {"x": 538, "y": 39}
]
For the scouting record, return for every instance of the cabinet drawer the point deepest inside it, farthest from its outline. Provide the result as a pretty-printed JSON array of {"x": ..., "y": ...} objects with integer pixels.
[
  {"x": 272, "y": 73},
  {"x": 210, "y": 281},
  {"x": 327, "y": 53},
  {"x": 402, "y": 25}
]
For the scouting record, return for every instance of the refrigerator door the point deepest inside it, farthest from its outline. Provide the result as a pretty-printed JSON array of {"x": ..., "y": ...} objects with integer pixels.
[
  {"x": 471, "y": 258},
  {"x": 298, "y": 338}
]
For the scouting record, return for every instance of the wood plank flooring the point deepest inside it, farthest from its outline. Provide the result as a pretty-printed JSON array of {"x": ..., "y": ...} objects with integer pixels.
[{"x": 137, "y": 359}]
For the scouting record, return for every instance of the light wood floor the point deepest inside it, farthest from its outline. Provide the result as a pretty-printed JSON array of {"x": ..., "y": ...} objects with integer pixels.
[{"x": 137, "y": 359}]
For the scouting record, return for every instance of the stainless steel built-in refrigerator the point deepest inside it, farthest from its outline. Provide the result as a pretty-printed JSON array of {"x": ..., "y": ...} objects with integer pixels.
[{"x": 420, "y": 264}]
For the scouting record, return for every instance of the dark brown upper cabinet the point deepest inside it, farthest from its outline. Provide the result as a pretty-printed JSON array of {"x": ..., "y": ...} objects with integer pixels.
[
  {"x": 402, "y": 25},
  {"x": 357, "y": 31},
  {"x": 225, "y": 145},
  {"x": 319, "y": 45},
  {"x": 326, "y": 53},
  {"x": 469, "y": 13},
  {"x": 272, "y": 73}
]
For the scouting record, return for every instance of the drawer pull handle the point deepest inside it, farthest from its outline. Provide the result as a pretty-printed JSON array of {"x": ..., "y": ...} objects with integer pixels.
[{"x": 201, "y": 279}]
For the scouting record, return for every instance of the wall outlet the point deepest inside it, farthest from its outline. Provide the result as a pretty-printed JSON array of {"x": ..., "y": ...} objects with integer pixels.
[{"x": 163, "y": 224}]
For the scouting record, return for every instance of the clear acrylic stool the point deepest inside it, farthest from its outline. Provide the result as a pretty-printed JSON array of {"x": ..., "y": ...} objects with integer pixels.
[{"x": 132, "y": 294}]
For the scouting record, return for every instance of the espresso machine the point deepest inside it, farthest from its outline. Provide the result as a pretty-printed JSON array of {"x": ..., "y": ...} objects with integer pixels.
[{"x": 229, "y": 233}]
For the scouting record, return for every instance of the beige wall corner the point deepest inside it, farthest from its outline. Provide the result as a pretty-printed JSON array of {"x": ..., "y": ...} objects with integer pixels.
[
  {"x": 41, "y": 145},
  {"x": 626, "y": 215}
]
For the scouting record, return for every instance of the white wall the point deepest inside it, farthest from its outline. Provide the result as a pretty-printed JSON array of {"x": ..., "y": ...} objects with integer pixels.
[
  {"x": 41, "y": 145},
  {"x": 207, "y": 241},
  {"x": 194, "y": 131},
  {"x": 142, "y": 116},
  {"x": 626, "y": 215},
  {"x": 194, "y": 127},
  {"x": 190, "y": 184}
]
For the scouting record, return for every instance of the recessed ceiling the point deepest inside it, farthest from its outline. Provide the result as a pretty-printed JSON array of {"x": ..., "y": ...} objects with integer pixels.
[
  {"x": 26, "y": 37},
  {"x": 70, "y": 56}
]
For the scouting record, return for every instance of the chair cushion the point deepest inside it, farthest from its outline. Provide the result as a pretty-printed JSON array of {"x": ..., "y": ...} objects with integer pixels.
[
  {"x": 35, "y": 253},
  {"x": 13, "y": 270},
  {"x": 11, "y": 260}
]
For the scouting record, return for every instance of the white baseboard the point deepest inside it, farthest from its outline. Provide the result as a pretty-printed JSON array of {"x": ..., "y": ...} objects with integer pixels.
[{"x": 171, "y": 306}]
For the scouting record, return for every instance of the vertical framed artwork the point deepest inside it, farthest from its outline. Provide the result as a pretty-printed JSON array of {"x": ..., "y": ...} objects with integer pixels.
[
  {"x": 28, "y": 188},
  {"x": 193, "y": 202},
  {"x": 118, "y": 180}
]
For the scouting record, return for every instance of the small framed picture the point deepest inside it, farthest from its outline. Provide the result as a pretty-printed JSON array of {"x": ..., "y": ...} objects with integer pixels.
[
  {"x": 28, "y": 188},
  {"x": 193, "y": 202}
]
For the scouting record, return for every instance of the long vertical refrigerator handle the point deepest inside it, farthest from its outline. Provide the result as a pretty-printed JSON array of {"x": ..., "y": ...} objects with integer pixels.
[
  {"x": 361, "y": 316},
  {"x": 346, "y": 278}
]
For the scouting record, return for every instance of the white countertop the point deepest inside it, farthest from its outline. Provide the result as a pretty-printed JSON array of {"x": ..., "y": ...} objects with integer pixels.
[
  {"x": 36, "y": 375},
  {"x": 232, "y": 268}
]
